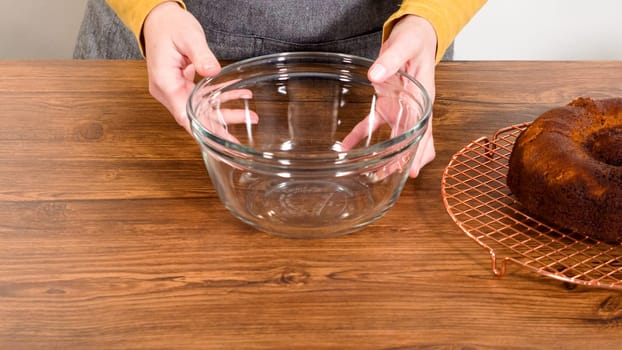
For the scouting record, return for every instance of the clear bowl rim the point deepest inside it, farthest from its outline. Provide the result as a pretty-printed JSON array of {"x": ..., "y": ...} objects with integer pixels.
[{"x": 355, "y": 153}]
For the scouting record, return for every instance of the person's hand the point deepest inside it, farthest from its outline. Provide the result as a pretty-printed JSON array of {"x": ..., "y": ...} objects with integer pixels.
[
  {"x": 175, "y": 50},
  {"x": 411, "y": 46},
  {"x": 221, "y": 112}
]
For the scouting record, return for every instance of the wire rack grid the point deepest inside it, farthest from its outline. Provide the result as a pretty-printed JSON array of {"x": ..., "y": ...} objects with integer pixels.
[{"x": 477, "y": 198}]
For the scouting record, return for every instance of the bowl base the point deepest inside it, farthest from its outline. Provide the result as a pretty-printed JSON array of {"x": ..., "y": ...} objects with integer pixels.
[{"x": 314, "y": 207}]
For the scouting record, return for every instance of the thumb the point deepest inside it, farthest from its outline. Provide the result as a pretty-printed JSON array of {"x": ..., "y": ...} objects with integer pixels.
[
  {"x": 390, "y": 60},
  {"x": 205, "y": 62},
  {"x": 194, "y": 45}
]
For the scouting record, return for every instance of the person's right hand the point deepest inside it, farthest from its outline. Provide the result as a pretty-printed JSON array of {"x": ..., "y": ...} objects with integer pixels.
[{"x": 175, "y": 50}]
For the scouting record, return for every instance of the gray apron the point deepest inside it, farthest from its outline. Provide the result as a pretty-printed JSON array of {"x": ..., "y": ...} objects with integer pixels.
[{"x": 238, "y": 29}]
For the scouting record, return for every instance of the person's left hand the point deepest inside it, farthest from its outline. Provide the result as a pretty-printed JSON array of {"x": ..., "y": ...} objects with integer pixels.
[{"x": 411, "y": 46}]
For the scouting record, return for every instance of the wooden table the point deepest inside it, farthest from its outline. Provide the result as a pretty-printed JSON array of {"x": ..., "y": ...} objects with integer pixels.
[{"x": 112, "y": 236}]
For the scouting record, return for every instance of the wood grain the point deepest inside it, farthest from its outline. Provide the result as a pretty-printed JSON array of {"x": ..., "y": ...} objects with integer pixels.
[{"x": 112, "y": 235}]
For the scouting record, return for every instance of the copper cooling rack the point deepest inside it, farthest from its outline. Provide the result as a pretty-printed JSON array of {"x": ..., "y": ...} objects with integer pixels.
[{"x": 477, "y": 198}]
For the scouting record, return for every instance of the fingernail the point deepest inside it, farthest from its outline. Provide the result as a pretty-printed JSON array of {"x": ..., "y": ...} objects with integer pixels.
[
  {"x": 377, "y": 72},
  {"x": 206, "y": 68}
]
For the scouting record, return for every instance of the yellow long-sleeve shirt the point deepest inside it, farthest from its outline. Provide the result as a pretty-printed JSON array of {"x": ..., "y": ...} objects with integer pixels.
[{"x": 446, "y": 16}]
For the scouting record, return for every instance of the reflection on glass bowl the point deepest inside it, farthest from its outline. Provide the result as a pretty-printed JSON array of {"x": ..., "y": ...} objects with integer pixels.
[{"x": 303, "y": 145}]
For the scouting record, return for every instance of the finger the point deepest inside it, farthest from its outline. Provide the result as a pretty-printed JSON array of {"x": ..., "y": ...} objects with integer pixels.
[
  {"x": 388, "y": 109},
  {"x": 361, "y": 131},
  {"x": 231, "y": 115},
  {"x": 425, "y": 153},
  {"x": 194, "y": 45},
  {"x": 221, "y": 131},
  {"x": 237, "y": 116},
  {"x": 392, "y": 58},
  {"x": 396, "y": 165},
  {"x": 236, "y": 94}
]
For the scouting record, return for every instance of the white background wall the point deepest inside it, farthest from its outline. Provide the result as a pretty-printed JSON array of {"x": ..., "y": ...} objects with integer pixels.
[
  {"x": 502, "y": 30},
  {"x": 38, "y": 29},
  {"x": 543, "y": 30}
]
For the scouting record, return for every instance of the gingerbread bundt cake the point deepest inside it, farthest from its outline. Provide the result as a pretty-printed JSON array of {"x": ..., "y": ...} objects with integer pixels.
[{"x": 566, "y": 168}]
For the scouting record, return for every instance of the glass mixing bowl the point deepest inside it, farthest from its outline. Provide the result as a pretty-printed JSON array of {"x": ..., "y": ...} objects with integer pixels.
[{"x": 303, "y": 145}]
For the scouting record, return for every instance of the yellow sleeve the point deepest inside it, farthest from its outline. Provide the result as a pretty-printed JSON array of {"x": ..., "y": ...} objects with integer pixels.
[
  {"x": 134, "y": 12},
  {"x": 447, "y": 17}
]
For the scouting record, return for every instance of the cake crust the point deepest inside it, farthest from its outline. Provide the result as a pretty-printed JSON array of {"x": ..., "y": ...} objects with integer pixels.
[{"x": 566, "y": 168}]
